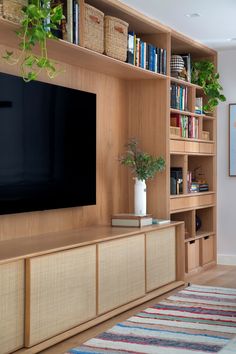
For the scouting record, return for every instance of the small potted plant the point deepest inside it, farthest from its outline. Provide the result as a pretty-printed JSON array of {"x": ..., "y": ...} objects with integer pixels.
[
  {"x": 36, "y": 27},
  {"x": 143, "y": 166},
  {"x": 204, "y": 74}
]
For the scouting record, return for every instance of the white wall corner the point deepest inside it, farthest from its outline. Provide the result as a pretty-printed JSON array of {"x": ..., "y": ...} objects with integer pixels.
[{"x": 226, "y": 259}]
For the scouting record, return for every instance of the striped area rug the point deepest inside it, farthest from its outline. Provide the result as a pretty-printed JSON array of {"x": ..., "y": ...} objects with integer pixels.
[{"x": 197, "y": 319}]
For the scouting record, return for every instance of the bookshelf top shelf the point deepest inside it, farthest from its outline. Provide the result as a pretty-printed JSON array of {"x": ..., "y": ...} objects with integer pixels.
[{"x": 66, "y": 52}]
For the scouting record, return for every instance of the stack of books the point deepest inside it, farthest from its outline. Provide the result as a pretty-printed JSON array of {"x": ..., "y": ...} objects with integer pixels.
[{"x": 131, "y": 220}]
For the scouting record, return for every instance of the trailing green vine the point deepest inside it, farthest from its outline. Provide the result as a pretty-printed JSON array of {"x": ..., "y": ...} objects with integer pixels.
[
  {"x": 38, "y": 21},
  {"x": 203, "y": 74}
]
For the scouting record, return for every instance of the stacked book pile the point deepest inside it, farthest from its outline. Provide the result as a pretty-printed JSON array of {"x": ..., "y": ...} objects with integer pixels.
[
  {"x": 179, "y": 97},
  {"x": 189, "y": 126},
  {"x": 146, "y": 55},
  {"x": 131, "y": 220}
]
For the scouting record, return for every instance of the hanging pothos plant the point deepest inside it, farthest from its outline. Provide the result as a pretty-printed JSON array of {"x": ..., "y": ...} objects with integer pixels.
[
  {"x": 39, "y": 19},
  {"x": 204, "y": 74}
]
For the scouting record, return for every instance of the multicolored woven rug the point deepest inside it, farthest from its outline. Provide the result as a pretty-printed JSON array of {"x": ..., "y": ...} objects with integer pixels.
[{"x": 197, "y": 319}]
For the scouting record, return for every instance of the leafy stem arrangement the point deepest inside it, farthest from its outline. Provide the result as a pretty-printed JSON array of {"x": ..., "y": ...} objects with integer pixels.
[
  {"x": 203, "y": 74},
  {"x": 39, "y": 19},
  {"x": 142, "y": 165}
]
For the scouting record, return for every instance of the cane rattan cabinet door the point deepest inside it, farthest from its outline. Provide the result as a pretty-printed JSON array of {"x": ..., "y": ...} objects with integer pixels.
[
  {"x": 160, "y": 258},
  {"x": 61, "y": 292},
  {"x": 11, "y": 306},
  {"x": 121, "y": 272}
]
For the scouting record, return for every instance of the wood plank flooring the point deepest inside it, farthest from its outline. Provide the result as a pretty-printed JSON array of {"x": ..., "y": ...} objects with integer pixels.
[{"x": 218, "y": 276}]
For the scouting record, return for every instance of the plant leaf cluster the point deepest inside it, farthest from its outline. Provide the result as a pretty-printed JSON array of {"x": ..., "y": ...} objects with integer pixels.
[
  {"x": 203, "y": 74},
  {"x": 38, "y": 21},
  {"x": 142, "y": 164}
]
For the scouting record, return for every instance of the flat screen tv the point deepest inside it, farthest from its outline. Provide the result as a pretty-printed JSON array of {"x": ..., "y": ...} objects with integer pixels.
[{"x": 47, "y": 146}]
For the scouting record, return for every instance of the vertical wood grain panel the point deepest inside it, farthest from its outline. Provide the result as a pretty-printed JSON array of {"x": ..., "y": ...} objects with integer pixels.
[{"x": 112, "y": 181}]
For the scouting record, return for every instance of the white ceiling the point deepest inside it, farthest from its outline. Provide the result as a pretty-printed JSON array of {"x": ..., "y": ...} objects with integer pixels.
[{"x": 215, "y": 27}]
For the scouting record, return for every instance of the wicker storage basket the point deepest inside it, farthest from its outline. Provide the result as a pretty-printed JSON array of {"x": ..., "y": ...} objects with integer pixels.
[
  {"x": 93, "y": 28},
  {"x": 205, "y": 135},
  {"x": 116, "y": 34},
  {"x": 12, "y": 9}
]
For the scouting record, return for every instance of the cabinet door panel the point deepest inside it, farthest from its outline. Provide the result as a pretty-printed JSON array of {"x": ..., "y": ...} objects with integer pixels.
[
  {"x": 160, "y": 258},
  {"x": 61, "y": 292},
  {"x": 121, "y": 272},
  {"x": 11, "y": 306}
]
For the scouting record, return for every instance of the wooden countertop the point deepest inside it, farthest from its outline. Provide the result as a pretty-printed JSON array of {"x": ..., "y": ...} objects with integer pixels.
[{"x": 22, "y": 248}]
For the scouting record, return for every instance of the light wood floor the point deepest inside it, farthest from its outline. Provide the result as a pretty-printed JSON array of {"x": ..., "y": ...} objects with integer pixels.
[{"x": 218, "y": 276}]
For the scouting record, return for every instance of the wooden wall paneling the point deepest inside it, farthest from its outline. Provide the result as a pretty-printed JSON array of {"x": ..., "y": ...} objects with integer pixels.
[
  {"x": 11, "y": 306},
  {"x": 160, "y": 258},
  {"x": 121, "y": 272},
  {"x": 112, "y": 181},
  {"x": 61, "y": 292},
  {"x": 149, "y": 122},
  {"x": 180, "y": 252}
]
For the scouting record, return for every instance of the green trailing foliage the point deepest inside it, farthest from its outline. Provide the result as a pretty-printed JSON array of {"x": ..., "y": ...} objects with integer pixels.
[
  {"x": 142, "y": 165},
  {"x": 204, "y": 74},
  {"x": 36, "y": 27}
]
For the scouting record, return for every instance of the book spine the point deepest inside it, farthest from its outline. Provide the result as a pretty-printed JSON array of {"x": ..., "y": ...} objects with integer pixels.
[{"x": 70, "y": 21}]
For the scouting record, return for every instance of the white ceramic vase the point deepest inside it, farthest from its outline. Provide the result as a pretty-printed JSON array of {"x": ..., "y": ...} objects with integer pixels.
[{"x": 140, "y": 197}]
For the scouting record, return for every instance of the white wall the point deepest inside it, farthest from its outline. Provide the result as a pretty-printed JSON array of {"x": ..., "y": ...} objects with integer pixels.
[{"x": 226, "y": 185}]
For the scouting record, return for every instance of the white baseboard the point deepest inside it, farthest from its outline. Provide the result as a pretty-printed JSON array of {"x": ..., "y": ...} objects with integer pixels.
[{"x": 226, "y": 259}]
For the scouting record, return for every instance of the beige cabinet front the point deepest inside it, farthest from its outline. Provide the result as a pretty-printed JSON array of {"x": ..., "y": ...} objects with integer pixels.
[
  {"x": 160, "y": 258},
  {"x": 11, "y": 306},
  {"x": 61, "y": 292},
  {"x": 121, "y": 272}
]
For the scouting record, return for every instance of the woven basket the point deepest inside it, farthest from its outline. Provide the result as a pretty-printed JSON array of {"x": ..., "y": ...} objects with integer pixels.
[
  {"x": 12, "y": 9},
  {"x": 116, "y": 34},
  {"x": 93, "y": 29}
]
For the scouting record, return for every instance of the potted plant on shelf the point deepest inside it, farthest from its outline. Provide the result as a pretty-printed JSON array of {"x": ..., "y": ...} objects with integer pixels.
[
  {"x": 205, "y": 75},
  {"x": 143, "y": 166},
  {"x": 37, "y": 25}
]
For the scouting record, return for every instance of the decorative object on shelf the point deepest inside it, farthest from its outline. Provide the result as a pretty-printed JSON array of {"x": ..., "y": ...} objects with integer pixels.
[
  {"x": 198, "y": 223},
  {"x": 93, "y": 28},
  {"x": 205, "y": 135},
  {"x": 205, "y": 75},
  {"x": 144, "y": 166},
  {"x": 115, "y": 34},
  {"x": 177, "y": 67},
  {"x": 232, "y": 140},
  {"x": 176, "y": 180},
  {"x": 199, "y": 105},
  {"x": 39, "y": 20}
]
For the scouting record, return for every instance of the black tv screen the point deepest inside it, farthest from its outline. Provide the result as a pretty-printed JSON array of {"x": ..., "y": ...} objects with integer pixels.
[{"x": 47, "y": 146}]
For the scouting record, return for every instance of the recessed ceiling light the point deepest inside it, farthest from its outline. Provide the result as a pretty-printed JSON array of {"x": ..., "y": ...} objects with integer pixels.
[{"x": 193, "y": 15}]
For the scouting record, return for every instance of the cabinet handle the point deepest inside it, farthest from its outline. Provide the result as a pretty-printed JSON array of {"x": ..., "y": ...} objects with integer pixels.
[
  {"x": 119, "y": 29},
  {"x": 206, "y": 237},
  {"x": 94, "y": 19},
  {"x": 191, "y": 242}
]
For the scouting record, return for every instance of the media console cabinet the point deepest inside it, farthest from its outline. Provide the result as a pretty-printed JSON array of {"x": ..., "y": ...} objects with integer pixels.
[{"x": 59, "y": 284}]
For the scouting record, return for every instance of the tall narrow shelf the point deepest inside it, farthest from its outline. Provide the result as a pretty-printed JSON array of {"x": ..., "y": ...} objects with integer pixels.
[{"x": 192, "y": 154}]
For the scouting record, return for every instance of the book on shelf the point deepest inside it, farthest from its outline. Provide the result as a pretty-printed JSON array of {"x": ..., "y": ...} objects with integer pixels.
[
  {"x": 199, "y": 105},
  {"x": 131, "y": 220},
  {"x": 189, "y": 126},
  {"x": 179, "y": 97},
  {"x": 146, "y": 55},
  {"x": 187, "y": 65},
  {"x": 160, "y": 221}
]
